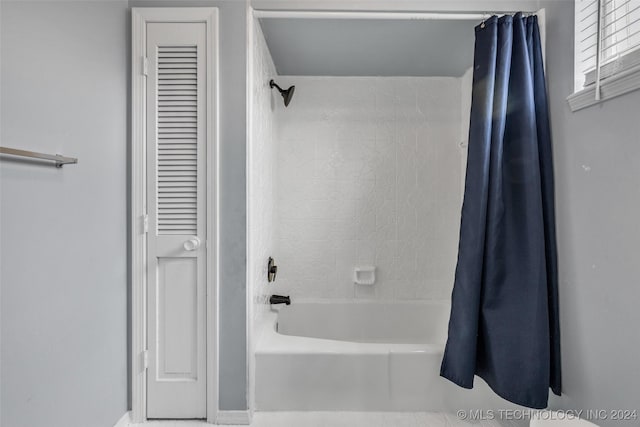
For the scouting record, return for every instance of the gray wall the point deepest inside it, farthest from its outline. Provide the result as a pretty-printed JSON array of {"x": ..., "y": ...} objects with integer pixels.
[
  {"x": 63, "y": 248},
  {"x": 597, "y": 163},
  {"x": 233, "y": 209},
  {"x": 65, "y": 79}
]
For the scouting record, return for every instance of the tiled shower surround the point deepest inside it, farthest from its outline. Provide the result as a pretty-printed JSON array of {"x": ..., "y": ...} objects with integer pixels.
[
  {"x": 369, "y": 171},
  {"x": 262, "y": 159}
]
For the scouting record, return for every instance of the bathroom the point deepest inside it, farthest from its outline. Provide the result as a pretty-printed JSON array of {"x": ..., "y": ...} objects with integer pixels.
[{"x": 332, "y": 225}]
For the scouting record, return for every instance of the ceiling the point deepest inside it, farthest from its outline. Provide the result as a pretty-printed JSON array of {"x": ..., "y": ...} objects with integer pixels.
[{"x": 350, "y": 47}]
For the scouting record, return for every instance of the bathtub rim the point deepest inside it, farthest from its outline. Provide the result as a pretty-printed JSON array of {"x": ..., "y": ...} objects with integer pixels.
[{"x": 271, "y": 342}]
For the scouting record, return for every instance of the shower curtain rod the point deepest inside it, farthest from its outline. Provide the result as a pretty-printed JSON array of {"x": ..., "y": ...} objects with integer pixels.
[{"x": 418, "y": 16}]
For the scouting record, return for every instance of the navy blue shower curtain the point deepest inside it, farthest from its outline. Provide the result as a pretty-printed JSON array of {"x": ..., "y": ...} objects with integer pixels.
[{"x": 504, "y": 324}]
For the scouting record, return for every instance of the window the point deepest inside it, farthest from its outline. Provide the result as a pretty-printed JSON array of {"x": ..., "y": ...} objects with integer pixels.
[{"x": 607, "y": 50}]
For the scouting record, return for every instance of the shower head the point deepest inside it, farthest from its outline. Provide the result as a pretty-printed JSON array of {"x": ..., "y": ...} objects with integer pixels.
[{"x": 287, "y": 94}]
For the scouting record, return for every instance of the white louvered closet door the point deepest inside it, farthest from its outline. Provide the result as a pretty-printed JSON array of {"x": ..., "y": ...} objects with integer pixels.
[{"x": 176, "y": 174}]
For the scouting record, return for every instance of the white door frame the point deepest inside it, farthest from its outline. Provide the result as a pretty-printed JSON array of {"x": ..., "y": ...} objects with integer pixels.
[{"x": 140, "y": 17}]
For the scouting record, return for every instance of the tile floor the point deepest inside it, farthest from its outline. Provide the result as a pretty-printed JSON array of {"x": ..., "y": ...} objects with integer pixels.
[{"x": 345, "y": 419}]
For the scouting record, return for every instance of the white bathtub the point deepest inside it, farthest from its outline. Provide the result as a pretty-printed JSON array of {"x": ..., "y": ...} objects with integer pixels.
[{"x": 359, "y": 356}]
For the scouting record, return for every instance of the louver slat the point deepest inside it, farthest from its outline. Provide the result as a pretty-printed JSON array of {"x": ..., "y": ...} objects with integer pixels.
[{"x": 177, "y": 152}]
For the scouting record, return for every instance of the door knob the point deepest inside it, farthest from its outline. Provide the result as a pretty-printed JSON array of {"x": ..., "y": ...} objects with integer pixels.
[{"x": 192, "y": 244}]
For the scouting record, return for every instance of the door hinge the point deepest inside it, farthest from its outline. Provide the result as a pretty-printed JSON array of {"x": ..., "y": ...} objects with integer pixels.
[
  {"x": 145, "y": 359},
  {"x": 145, "y": 66},
  {"x": 145, "y": 223}
]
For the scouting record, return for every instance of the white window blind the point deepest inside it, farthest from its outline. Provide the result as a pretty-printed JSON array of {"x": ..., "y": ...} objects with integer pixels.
[{"x": 610, "y": 28}]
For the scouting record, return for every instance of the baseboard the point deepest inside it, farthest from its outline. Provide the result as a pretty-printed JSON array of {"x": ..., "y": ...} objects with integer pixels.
[
  {"x": 124, "y": 421},
  {"x": 234, "y": 417},
  {"x": 223, "y": 417}
]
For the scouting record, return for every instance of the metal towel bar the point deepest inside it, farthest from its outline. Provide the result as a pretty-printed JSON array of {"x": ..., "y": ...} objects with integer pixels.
[{"x": 60, "y": 160}]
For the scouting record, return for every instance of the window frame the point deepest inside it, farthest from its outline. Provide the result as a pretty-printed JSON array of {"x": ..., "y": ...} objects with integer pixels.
[{"x": 617, "y": 78}]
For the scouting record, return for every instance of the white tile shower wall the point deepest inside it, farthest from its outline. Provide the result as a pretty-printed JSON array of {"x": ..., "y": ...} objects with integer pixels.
[
  {"x": 369, "y": 172},
  {"x": 262, "y": 162}
]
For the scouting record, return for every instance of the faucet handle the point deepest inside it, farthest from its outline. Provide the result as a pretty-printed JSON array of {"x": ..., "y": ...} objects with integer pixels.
[{"x": 272, "y": 270}]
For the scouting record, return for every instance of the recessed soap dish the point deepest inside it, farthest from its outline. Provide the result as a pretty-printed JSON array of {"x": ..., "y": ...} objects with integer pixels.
[{"x": 364, "y": 275}]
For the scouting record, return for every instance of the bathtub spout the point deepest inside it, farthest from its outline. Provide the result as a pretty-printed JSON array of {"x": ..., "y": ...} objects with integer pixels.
[{"x": 279, "y": 299}]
